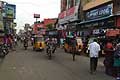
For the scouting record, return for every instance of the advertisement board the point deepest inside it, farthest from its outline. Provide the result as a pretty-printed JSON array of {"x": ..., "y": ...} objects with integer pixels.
[
  {"x": 10, "y": 11},
  {"x": 1, "y": 25},
  {"x": 100, "y": 12},
  {"x": 36, "y": 15}
]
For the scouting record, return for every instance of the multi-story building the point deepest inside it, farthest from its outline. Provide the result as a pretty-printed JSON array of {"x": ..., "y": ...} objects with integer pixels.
[
  {"x": 40, "y": 28},
  {"x": 7, "y": 16},
  {"x": 101, "y": 19},
  {"x": 70, "y": 15}
]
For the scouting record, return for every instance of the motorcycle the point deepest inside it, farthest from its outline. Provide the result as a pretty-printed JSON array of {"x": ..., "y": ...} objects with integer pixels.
[
  {"x": 50, "y": 50},
  {"x": 3, "y": 50},
  {"x": 6, "y": 48}
]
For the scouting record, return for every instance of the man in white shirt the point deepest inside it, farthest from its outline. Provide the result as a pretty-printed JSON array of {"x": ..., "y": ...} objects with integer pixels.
[{"x": 94, "y": 49}]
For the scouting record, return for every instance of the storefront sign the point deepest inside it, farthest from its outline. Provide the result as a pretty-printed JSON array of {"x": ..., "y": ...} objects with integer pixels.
[
  {"x": 62, "y": 15},
  {"x": 98, "y": 32},
  {"x": 10, "y": 11},
  {"x": 100, "y": 12},
  {"x": 69, "y": 15},
  {"x": 113, "y": 32}
]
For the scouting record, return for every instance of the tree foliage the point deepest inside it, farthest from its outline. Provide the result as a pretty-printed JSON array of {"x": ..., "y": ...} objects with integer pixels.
[{"x": 49, "y": 26}]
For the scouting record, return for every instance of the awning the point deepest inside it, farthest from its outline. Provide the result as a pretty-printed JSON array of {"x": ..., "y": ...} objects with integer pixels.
[{"x": 89, "y": 21}]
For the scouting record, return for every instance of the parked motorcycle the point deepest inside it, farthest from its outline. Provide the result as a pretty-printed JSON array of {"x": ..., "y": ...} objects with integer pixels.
[
  {"x": 3, "y": 50},
  {"x": 6, "y": 49}
]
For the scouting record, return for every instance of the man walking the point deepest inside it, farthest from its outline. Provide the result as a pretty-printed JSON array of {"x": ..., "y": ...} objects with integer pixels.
[{"x": 94, "y": 49}]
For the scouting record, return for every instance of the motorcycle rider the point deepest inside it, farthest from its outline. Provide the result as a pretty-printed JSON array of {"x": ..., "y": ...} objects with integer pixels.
[
  {"x": 25, "y": 42},
  {"x": 49, "y": 42}
]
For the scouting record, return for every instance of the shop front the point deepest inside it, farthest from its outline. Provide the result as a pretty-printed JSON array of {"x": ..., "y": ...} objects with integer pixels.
[{"x": 98, "y": 20}]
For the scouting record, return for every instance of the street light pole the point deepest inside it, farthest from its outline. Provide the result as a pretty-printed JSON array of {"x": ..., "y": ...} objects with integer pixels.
[{"x": 36, "y": 20}]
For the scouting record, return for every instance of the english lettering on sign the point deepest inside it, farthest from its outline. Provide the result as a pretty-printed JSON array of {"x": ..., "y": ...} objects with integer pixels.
[{"x": 100, "y": 12}]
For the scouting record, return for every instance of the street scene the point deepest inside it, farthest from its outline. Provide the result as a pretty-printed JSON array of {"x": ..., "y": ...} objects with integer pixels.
[
  {"x": 60, "y": 40},
  {"x": 30, "y": 65}
]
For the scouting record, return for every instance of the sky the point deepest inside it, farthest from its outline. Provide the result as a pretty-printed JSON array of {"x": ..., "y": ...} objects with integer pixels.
[{"x": 26, "y": 8}]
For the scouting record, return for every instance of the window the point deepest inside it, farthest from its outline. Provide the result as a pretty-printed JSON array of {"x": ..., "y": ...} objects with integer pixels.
[{"x": 77, "y": 2}]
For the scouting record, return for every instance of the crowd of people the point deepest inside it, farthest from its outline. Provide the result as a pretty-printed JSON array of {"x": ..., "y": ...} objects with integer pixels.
[
  {"x": 111, "y": 52},
  {"x": 112, "y": 57}
]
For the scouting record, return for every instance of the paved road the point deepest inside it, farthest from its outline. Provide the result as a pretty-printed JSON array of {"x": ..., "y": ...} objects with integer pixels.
[{"x": 29, "y": 65}]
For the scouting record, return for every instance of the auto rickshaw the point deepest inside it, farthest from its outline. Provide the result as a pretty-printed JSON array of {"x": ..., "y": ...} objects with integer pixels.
[
  {"x": 68, "y": 45},
  {"x": 39, "y": 43}
]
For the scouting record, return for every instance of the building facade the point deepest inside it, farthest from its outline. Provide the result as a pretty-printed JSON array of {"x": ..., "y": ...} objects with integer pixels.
[
  {"x": 101, "y": 19},
  {"x": 69, "y": 17}
]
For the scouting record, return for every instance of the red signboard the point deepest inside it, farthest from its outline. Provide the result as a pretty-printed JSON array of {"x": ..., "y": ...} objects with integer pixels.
[
  {"x": 70, "y": 11},
  {"x": 113, "y": 32},
  {"x": 49, "y": 21},
  {"x": 36, "y": 26},
  {"x": 62, "y": 15},
  {"x": 36, "y": 15}
]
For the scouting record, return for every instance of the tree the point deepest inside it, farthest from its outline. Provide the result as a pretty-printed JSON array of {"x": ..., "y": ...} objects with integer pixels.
[{"x": 49, "y": 26}]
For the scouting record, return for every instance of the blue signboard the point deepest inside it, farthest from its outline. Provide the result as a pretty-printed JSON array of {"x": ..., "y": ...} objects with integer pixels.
[
  {"x": 100, "y": 12},
  {"x": 10, "y": 11}
]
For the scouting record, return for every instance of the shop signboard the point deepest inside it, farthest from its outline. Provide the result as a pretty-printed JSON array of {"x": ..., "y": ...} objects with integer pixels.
[
  {"x": 69, "y": 15},
  {"x": 62, "y": 15},
  {"x": 100, "y": 12},
  {"x": 72, "y": 14},
  {"x": 10, "y": 11},
  {"x": 113, "y": 32}
]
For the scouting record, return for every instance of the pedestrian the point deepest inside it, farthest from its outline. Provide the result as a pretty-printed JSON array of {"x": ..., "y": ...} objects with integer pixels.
[
  {"x": 117, "y": 61},
  {"x": 108, "y": 62},
  {"x": 74, "y": 44},
  {"x": 94, "y": 49}
]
